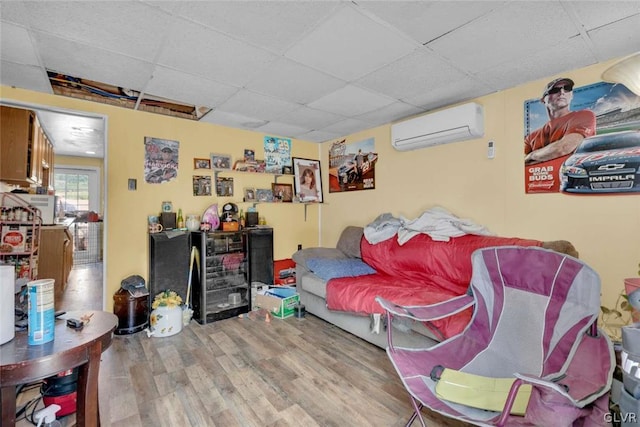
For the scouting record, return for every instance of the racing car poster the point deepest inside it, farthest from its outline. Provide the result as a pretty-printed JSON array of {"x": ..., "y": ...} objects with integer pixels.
[
  {"x": 160, "y": 160},
  {"x": 582, "y": 140},
  {"x": 352, "y": 167}
]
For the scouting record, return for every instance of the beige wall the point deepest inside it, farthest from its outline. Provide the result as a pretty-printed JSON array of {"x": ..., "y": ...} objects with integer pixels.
[
  {"x": 461, "y": 178},
  {"x": 127, "y": 211},
  {"x": 457, "y": 176}
]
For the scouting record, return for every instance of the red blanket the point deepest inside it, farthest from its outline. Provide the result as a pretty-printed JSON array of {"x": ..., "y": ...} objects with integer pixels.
[{"x": 420, "y": 272}]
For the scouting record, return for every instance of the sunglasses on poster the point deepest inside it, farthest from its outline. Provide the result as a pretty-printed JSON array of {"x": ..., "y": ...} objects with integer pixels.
[{"x": 557, "y": 89}]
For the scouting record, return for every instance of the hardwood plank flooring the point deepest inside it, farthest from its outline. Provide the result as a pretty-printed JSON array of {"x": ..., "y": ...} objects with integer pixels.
[{"x": 243, "y": 372}]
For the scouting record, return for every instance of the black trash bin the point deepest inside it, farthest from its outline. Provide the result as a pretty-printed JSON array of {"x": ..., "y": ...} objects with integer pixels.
[{"x": 131, "y": 306}]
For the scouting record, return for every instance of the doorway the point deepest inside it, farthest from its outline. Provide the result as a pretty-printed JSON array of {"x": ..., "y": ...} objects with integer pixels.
[
  {"x": 80, "y": 146},
  {"x": 78, "y": 196}
]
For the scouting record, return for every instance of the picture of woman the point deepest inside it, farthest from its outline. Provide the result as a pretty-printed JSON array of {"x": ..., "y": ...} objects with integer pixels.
[
  {"x": 307, "y": 179},
  {"x": 308, "y": 188}
]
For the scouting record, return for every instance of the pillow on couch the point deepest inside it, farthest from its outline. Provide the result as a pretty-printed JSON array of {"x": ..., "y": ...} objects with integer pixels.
[
  {"x": 303, "y": 255},
  {"x": 331, "y": 268},
  {"x": 349, "y": 241}
]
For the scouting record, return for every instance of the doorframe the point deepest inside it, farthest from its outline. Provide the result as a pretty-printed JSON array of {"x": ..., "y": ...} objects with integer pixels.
[{"x": 105, "y": 163}]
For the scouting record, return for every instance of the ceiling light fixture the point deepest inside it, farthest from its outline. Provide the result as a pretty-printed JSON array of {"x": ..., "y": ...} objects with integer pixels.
[{"x": 625, "y": 71}]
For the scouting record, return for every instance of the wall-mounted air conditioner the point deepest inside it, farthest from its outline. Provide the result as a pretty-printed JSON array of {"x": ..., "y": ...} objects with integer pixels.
[{"x": 441, "y": 127}]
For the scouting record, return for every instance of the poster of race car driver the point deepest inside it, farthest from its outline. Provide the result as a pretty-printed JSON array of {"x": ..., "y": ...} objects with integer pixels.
[
  {"x": 352, "y": 166},
  {"x": 564, "y": 116},
  {"x": 160, "y": 160}
]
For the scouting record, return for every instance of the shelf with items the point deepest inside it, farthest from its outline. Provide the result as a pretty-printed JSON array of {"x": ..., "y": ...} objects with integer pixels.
[
  {"x": 221, "y": 288},
  {"x": 20, "y": 226}
]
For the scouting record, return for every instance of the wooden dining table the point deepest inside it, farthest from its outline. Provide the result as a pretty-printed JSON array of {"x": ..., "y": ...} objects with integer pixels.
[{"x": 21, "y": 363}]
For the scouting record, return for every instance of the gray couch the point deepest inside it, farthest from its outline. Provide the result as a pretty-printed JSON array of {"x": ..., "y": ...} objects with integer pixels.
[{"x": 312, "y": 290}]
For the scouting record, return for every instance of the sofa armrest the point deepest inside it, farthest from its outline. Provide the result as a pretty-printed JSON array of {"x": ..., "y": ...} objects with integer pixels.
[{"x": 303, "y": 255}]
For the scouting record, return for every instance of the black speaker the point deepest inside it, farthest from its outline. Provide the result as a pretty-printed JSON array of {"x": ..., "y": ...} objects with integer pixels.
[
  {"x": 168, "y": 220},
  {"x": 252, "y": 219},
  {"x": 168, "y": 263},
  {"x": 260, "y": 255}
]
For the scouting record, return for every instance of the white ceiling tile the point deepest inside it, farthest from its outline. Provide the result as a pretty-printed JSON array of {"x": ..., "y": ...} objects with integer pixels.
[
  {"x": 187, "y": 88},
  {"x": 228, "y": 119},
  {"x": 548, "y": 62},
  {"x": 390, "y": 113},
  {"x": 617, "y": 39},
  {"x": 14, "y": 11},
  {"x": 400, "y": 79},
  {"x": 272, "y": 25},
  {"x": 309, "y": 117},
  {"x": 351, "y": 101},
  {"x": 448, "y": 94},
  {"x": 498, "y": 37},
  {"x": 346, "y": 127},
  {"x": 282, "y": 130},
  {"x": 349, "y": 45},
  {"x": 319, "y": 136},
  {"x": 91, "y": 63},
  {"x": 427, "y": 20},
  {"x": 293, "y": 82},
  {"x": 101, "y": 24},
  {"x": 594, "y": 14},
  {"x": 210, "y": 54},
  {"x": 25, "y": 77},
  {"x": 252, "y": 104},
  {"x": 16, "y": 45}
]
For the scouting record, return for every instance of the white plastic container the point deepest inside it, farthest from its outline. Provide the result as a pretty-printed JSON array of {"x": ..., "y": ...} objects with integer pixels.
[{"x": 7, "y": 303}]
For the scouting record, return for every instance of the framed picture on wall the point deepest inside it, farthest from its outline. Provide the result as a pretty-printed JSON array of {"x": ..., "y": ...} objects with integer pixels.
[
  {"x": 264, "y": 195},
  {"x": 202, "y": 163},
  {"x": 307, "y": 180},
  {"x": 250, "y": 194},
  {"x": 282, "y": 192},
  {"x": 220, "y": 161}
]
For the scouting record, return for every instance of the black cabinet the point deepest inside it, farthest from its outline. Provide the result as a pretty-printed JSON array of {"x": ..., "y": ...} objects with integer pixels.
[
  {"x": 229, "y": 262},
  {"x": 169, "y": 262}
]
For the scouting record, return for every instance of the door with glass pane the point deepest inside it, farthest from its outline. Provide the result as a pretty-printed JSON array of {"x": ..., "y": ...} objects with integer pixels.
[{"x": 78, "y": 194}]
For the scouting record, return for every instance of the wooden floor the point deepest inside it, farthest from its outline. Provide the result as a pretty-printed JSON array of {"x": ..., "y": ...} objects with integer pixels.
[{"x": 243, "y": 372}]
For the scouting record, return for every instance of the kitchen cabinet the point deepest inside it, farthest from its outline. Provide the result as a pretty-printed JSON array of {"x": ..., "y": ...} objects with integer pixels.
[
  {"x": 26, "y": 153},
  {"x": 56, "y": 256}
]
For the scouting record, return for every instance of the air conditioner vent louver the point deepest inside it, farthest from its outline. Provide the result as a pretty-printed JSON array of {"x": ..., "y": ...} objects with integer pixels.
[{"x": 441, "y": 127}]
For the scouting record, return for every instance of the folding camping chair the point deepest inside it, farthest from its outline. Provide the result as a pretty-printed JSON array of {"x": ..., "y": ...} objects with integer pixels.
[{"x": 532, "y": 353}]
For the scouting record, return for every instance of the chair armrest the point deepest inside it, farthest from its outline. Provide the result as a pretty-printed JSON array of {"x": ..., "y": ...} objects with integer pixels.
[{"x": 425, "y": 313}]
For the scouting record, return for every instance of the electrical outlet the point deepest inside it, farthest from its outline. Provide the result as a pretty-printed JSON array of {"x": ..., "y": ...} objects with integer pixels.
[{"x": 299, "y": 246}]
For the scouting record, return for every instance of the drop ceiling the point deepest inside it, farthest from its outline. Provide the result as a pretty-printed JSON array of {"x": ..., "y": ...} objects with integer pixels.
[{"x": 314, "y": 70}]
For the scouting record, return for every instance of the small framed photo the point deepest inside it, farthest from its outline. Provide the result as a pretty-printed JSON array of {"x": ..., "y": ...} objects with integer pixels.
[
  {"x": 307, "y": 180},
  {"x": 249, "y": 155},
  {"x": 287, "y": 170},
  {"x": 202, "y": 163},
  {"x": 264, "y": 195},
  {"x": 282, "y": 192},
  {"x": 220, "y": 161},
  {"x": 250, "y": 194},
  {"x": 201, "y": 185},
  {"x": 224, "y": 187}
]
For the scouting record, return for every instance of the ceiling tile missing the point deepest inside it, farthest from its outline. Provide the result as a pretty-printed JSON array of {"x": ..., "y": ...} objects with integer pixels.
[{"x": 76, "y": 87}]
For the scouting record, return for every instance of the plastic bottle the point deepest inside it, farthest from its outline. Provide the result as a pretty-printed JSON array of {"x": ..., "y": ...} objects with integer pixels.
[{"x": 180, "y": 220}]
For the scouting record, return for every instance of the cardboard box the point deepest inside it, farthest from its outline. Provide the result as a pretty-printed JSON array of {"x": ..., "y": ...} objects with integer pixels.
[{"x": 279, "y": 301}]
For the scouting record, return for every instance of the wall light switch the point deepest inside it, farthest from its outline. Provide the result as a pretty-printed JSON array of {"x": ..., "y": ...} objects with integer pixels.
[{"x": 491, "y": 150}]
